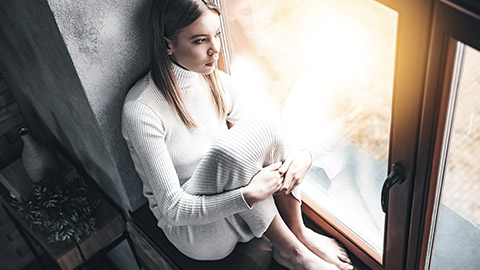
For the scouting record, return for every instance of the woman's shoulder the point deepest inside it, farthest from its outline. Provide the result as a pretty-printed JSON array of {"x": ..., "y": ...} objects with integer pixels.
[
  {"x": 224, "y": 77},
  {"x": 234, "y": 98},
  {"x": 141, "y": 100},
  {"x": 229, "y": 84},
  {"x": 139, "y": 89},
  {"x": 141, "y": 107},
  {"x": 144, "y": 93}
]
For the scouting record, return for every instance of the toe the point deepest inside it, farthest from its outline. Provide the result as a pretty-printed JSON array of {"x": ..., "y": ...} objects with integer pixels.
[
  {"x": 343, "y": 264},
  {"x": 347, "y": 267},
  {"x": 344, "y": 258}
]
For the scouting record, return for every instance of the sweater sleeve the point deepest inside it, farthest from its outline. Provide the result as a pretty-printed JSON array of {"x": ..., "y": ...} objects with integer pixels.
[
  {"x": 145, "y": 133},
  {"x": 235, "y": 102}
]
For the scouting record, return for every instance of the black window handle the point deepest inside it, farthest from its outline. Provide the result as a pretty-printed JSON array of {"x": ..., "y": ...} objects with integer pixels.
[{"x": 396, "y": 176}]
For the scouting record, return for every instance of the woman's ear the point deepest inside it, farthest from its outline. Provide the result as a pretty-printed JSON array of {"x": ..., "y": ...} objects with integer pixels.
[{"x": 169, "y": 45}]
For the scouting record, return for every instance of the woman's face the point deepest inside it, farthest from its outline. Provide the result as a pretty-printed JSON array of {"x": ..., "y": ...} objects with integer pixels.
[{"x": 198, "y": 45}]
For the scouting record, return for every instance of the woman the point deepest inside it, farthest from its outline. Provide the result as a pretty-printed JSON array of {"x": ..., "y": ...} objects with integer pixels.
[{"x": 210, "y": 187}]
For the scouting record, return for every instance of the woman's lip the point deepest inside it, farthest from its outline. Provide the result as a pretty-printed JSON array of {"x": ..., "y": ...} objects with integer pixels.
[{"x": 210, "y": 64}]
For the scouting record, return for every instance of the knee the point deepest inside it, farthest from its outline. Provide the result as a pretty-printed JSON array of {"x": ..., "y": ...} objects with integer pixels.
[
  {"x": 270, "y": 131},
  {"x": 224, "y": 154},
  {"x": 252, "y": 136}
]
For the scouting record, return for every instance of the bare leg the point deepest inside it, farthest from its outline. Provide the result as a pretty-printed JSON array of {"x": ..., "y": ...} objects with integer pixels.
[
  {"x": 325, "y": 247},
  {"x": 289, "y": 251}
]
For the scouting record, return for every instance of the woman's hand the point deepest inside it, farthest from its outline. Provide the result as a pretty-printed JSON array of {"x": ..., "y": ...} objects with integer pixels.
[
  {"x": 294, "y": 169},
  {"x": 265, "y": 183}
]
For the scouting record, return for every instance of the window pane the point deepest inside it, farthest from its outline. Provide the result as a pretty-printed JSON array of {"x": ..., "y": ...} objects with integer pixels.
[
  {"x": 457, "y": 234},
  {"x": 327, "y": 67}
]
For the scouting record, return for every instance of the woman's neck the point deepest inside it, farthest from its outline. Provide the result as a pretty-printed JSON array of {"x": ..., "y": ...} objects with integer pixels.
[{"x": 185, "y": 78}]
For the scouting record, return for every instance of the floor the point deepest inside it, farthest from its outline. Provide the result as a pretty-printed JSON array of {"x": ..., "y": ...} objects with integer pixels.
[
  {"x": 14, "y": 252},
  {"x": 102, "y": 265}
]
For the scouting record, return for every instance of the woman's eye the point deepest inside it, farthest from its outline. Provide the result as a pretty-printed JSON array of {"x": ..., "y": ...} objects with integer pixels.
[{"x": 199, "y": 41}]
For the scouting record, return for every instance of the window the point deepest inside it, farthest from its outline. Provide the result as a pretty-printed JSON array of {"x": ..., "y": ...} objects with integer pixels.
[
  {"x": 328, "y": 68},
  {"x": 362, "y": 84}
]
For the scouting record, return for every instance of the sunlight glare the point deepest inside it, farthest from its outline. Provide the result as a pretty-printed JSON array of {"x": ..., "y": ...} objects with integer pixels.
[{"x": 336, "y": 57}]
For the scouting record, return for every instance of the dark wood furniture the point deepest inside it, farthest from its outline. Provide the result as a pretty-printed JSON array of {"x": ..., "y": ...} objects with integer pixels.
[
  {"x": 156, "y": 252},
  {"x": 111, "y": 228}
]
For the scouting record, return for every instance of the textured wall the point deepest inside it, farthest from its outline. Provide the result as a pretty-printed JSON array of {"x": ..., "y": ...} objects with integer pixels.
[
  {"x": 69, "y": 65},
  {"x": 107, "y": 44}
]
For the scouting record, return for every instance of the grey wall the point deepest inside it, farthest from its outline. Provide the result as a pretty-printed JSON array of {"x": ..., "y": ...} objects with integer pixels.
[{"x": 69, "y": 65}]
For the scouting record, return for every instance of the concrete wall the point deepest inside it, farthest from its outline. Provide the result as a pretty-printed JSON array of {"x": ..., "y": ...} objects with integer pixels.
[{"x": 69, "y": 65}]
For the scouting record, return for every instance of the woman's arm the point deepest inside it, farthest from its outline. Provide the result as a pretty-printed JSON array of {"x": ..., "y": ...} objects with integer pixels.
[
  {"x": 144, "y": 131},
  {"x": 235, "y": 104}
]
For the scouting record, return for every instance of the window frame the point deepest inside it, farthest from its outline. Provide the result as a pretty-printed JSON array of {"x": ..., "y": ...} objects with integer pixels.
[
  {"x": 451, "y": 23},
  {"x": 414, "y": 28}
]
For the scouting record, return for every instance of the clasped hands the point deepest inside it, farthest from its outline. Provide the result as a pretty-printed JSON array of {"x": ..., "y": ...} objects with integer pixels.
[{"x": 278, "y": 178}]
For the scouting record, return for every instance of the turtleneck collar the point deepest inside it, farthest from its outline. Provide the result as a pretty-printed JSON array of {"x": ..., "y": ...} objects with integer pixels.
[{"x": 185, "y": 78}]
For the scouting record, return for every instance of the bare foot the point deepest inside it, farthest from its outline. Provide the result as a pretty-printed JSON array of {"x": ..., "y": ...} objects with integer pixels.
[
  {"x": 326, "y": 248},
  {"x": 301, "y": 259}
]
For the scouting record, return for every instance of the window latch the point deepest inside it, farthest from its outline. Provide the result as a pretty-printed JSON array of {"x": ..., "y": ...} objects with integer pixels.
[{"x": 396, "y": 176}]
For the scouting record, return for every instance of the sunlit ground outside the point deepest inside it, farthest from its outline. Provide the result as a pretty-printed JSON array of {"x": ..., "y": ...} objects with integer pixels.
[
  {"x": 327, "y": 67},
  {"x": 457, "y": 234},
  {"x": 461, "y": 188}
]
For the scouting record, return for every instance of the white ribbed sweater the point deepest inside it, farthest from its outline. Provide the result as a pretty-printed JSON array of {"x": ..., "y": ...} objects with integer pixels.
[{"x": 165, "y": 153}]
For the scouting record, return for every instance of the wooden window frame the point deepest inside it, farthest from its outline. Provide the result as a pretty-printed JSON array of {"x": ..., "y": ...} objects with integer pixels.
[{"x": 451, "y": 23}]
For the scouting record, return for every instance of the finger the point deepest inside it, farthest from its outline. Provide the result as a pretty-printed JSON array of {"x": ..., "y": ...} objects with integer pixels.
[
  {"x": 274, "y": 166},
  {"x": 286, "y": 165},
  {"x": 299, "y": 181},
  {"x": 277, "y": 182},
  {"x": 310, "y": 157},
  {"x": 295, "y": 182},
  {"x": 288, "y": 177}
]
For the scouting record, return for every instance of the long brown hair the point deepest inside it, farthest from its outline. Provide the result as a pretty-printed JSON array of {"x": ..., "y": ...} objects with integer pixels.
[{"x": 167, "y": 19}]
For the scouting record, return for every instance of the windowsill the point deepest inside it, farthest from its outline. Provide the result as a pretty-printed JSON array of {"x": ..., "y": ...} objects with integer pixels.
[{"x": 346, "y": 182}]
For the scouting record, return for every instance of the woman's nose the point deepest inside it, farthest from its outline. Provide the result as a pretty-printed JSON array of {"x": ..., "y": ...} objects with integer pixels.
[{"x": 215, "y": 47}]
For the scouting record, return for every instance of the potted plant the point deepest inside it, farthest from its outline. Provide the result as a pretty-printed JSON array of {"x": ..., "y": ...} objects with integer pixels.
[{"x": 60, "y": 206}]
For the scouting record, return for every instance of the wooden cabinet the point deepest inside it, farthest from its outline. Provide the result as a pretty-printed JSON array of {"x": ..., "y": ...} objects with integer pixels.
[{"x": 110, "y": 226}]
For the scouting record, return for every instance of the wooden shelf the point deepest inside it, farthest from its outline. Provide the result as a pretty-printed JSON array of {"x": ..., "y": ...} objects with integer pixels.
[{"x": 110, "y": 226}]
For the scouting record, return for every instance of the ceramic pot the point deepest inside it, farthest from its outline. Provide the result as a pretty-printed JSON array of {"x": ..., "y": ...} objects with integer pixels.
[{"x": 39, "y": 161}]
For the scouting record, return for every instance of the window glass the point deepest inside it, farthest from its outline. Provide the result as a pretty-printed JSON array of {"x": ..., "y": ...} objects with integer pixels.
[
  {"x": 456, "y": 231},
  {"x": 327, "y": 67}
]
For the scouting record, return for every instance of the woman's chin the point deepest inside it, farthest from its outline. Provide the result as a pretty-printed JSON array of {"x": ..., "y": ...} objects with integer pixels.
[{"x": 208, "y": 69}]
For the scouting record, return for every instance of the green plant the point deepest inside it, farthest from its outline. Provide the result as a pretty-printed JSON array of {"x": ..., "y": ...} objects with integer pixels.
[{"x": 61, "y": 206}]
